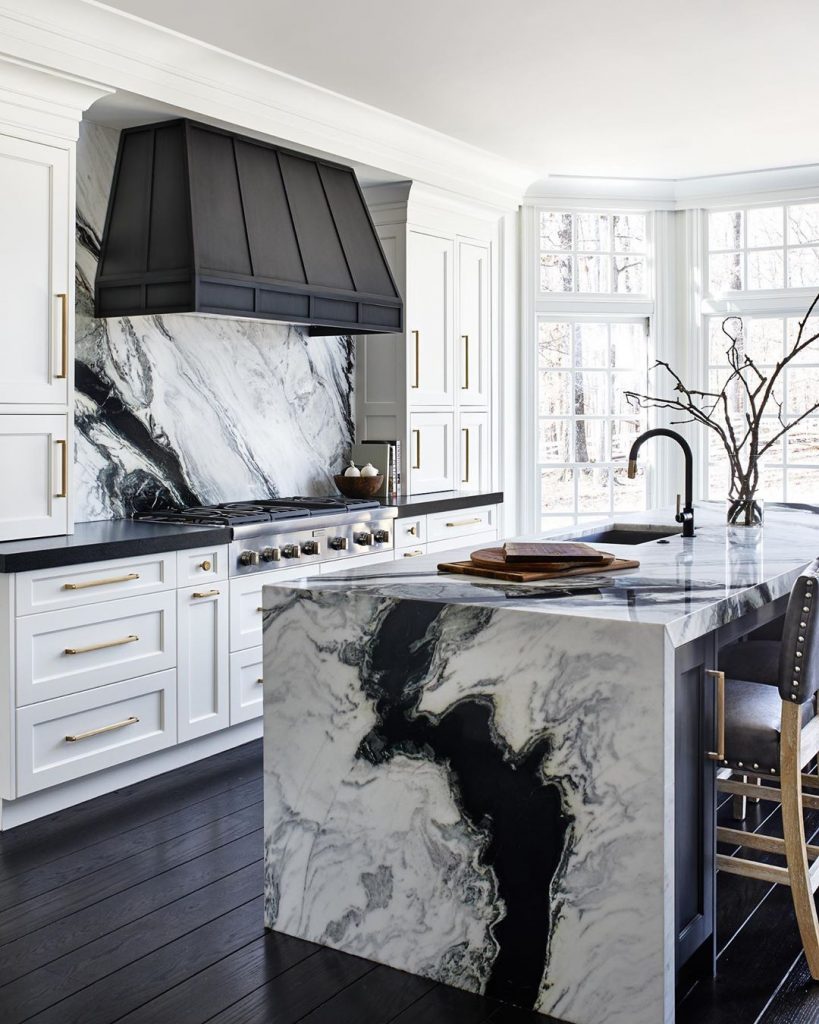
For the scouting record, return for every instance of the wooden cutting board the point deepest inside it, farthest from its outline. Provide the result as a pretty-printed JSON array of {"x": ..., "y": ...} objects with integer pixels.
[
  {"x": 510, "y": 575},
  {"x": 540, "y": 553},
  {"x": 495, "y": 558}
]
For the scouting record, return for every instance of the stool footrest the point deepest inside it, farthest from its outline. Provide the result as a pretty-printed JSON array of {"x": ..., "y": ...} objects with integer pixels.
[{"x": 753, "y": 869}]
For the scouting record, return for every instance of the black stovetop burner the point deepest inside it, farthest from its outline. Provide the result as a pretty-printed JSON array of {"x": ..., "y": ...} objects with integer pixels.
[{"x": 244, "y": 513}]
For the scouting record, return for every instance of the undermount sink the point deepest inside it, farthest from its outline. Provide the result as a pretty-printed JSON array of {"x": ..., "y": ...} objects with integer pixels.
[{"x": 628, "y": 535}]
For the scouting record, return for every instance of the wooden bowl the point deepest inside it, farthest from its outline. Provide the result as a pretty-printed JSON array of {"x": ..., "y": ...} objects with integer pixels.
[{"x": 359, "y": 486}]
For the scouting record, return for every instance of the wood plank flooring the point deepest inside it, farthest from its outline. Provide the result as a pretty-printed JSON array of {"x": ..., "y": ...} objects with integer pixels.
[{"x": 145, "y": 906}]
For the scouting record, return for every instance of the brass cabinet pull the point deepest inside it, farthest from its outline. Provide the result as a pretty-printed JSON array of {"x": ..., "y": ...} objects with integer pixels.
[
  {"x": 63, "y": 491},
  {"x": 412, "y": 554},
  {"x": 206, "y": 565},
  {"x": 417, "y": 463},
  {"x": 465, "y": 522},
  {"x": 260, "y": 608},
  {"x": 417, "y": 336},
  {"x": 205, "y": 593},
  {"x": 465, "y": 432},
  {"x": 413, "y": 530},
  {"x": 465, "y": 385},
  {"x": 102, "y": 582},
  {"x": 260, "y": 680},
  {"x": 132, "y": 639},
  {"x": 719, "y": 753},
  {"x": 63, "y": 297},
  {"x": 130, "y": 720}
]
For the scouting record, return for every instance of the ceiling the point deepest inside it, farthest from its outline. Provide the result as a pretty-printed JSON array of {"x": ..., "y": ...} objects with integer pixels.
[{"x": 639, "y": 88}]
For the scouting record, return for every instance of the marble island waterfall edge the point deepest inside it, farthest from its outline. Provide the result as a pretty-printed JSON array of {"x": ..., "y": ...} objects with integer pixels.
[
  {"x": 183, "y": 409},
  {"x": 467, "y": 794}
]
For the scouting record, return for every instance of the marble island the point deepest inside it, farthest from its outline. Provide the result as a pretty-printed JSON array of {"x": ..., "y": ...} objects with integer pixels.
[{"x": 507, "y": 790}]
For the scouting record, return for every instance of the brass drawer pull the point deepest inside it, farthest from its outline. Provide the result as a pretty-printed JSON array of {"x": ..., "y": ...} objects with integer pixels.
[
  {"x": 465, "y": 385},
  {"x": 417, "y": 336},
  {"x": 260, "y": 680},
  {"x": 465, "y": 431},
  {"x": 63, "y": 491},
  {"x": 412, "y": 554},
  {"x": 206, "y": 565},
  {"x": 719, "y": 753},
  {"x": 131, "y": 720},
  {"x": 260, "y": 608},
  {"x": 413, "y": 530},
  {"x": 132, "y": 639},
  {"x": 63, "y": 297},
  {"x": 205, "y": 593},
  {"x": 465, "y": 522},
  {"x": 102, "y": 583},
  {"x": 417, "y": 463}
]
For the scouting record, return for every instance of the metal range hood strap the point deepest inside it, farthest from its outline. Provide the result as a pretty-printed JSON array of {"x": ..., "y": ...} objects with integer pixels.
[{"x": 202, "y": 220}]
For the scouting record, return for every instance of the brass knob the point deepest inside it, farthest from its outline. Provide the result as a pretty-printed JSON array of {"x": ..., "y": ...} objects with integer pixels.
[
  {"x": 206, "y": 565},
  {"x": 413, "y": 530}
]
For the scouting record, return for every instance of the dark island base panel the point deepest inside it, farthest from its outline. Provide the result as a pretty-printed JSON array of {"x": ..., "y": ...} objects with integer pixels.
[
  {"x": 439, "y": 501},
  {"x": 95, "y": 542}
]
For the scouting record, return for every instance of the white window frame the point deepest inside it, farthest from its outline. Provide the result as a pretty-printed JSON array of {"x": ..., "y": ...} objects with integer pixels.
[{"x": 537, "y": 304}]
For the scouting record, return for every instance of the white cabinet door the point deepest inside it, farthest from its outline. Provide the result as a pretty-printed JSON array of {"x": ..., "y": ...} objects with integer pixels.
[
  {"x": 429, "y": 319},
  {"x": 431, "y": 450},
  {"x": 35, "y": 277},
  {"x": 246, "y": 685},
  {"x": 34, "y": 476},
  {"x": 472, "y": 343},
  {"x": 473, "y": 451},
  {"x": 203, "y": 666}
]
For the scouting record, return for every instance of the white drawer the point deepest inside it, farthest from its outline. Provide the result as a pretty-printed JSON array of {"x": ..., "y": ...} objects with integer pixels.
[
  {"x": 201, "y": 565},
  {"x": 44, "y": 590},
  {"x": 409, "y": 533},
  {"x": 465, "y": 547},
  {"x": 245, "y": 685},
  {"x": 81, "y": 648},
  {"x": 246, "y": 604},
  {"x": 419, "y": 549},
  {"x": 463, "y": 523},
  {"x": 135, "y": 717}
]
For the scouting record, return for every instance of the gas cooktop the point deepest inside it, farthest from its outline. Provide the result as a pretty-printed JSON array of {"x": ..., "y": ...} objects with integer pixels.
[{"x": 267, "y": 510}]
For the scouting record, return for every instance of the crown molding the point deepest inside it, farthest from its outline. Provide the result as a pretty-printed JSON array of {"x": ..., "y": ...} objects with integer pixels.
[
  {"x": 87, "y": 39},
  {"x": 778, "y": 184},
  {"x": 34, "y": 98}
]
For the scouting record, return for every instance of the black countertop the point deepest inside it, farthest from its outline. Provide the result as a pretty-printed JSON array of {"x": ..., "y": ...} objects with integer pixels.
[
  {"x": 440, "y": 501},
  {"x": 94, "y": 542}
]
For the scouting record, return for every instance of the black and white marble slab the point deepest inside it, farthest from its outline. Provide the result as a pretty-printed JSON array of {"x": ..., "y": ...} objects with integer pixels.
[
  {"x": 475, "y": 783},
  {"x": 184, "y": 409}
]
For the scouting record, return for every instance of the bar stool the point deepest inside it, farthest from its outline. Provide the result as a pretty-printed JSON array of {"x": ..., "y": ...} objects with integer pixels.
[{"x": 770, "y": 734}]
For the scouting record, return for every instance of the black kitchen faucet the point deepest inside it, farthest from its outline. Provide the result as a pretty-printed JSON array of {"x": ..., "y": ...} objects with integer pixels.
[{"x": 686, "y": 516}]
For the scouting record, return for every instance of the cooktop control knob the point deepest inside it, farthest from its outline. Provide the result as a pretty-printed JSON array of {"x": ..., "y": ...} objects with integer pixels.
[
  {"x": 364, "y": 538},
  {"x": 338, "y": 543},
  {"x": 271, "y": 554},
  {"x": 311, "y": 547},
  {"x": 291, "y": 551},
  {"x": 249, "y": 558},
  {"x": 382, "y": 536}
]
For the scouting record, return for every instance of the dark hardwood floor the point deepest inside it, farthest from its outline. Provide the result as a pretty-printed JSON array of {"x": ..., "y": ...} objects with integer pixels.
[{"x": 145, "y": 906}]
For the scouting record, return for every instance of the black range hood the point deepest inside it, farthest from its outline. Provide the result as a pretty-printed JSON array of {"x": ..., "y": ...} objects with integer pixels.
[{"x": 202, "y": 220}]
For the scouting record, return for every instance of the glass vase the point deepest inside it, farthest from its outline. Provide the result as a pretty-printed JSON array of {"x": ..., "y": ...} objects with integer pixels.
[{"x": 745, "y": 512}]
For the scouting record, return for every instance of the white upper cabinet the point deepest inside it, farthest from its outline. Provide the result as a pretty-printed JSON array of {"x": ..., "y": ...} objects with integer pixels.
[
  {"x": 429, "y": 319},
  {"x": 35, "y": 467},
  {"x": 472, "y": 344},
  {"x": 36, "y": 311}
]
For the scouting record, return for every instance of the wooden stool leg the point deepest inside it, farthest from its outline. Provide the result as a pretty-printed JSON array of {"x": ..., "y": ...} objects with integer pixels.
[
  {"x": 794, "y": 832},
  {"x": 739, "y": 805}
]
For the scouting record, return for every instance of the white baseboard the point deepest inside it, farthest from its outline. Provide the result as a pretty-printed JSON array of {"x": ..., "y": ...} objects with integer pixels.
[{"x": 56, "y": 798}]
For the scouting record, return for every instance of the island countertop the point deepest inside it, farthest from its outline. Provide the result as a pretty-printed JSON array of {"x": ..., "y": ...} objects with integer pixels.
[{"x": 688, "y": 585}]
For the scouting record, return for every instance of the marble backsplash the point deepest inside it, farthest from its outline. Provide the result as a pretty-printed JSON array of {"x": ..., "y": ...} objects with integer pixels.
[{"x": 184, "y": 409}]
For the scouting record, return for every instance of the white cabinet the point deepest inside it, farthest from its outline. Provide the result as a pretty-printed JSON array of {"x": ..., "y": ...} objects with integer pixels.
[
  {"x": 474, "y": 325},
  {"x": 203, "y": 677},
  {"x": 246, "y": 685},
  {"x": 36, "y": 312},
  {"x": 473, "y": 451},
  {"x": 431, "y": 466},
  {"x": 35, "y": 468},
  {"x": 429, "y": 318}
]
